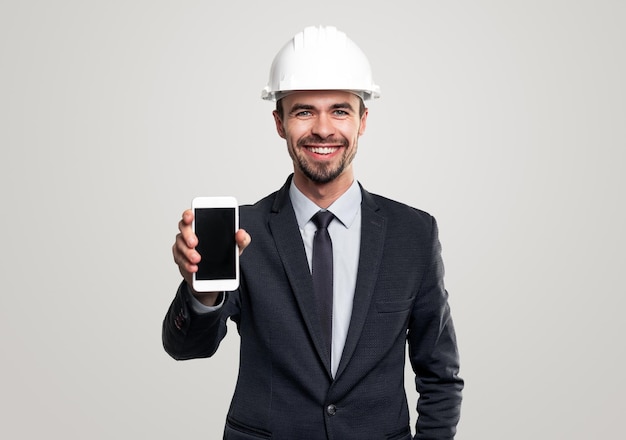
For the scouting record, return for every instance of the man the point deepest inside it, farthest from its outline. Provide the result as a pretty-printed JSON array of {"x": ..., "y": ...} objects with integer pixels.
[{"x": 306, "y": 372}]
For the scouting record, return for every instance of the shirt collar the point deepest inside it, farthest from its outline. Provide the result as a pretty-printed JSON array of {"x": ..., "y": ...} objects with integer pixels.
[{"x": 345, "y": 208}]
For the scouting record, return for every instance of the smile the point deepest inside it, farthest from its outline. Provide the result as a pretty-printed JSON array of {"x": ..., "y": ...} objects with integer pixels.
[{"x": 322, "y": 150}]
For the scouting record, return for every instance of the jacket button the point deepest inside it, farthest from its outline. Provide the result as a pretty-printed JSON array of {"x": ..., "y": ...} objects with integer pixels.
[
  {"x": 179, "y": 321},
  {"x": 331, "y": 410}
]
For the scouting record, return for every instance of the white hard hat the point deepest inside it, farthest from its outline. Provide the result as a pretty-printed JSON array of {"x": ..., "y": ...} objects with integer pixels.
[{"x": 320, "y": 58}]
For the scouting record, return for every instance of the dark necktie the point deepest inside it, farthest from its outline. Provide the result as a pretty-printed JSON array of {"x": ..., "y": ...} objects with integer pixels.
[{"x": 322, "y": 272}]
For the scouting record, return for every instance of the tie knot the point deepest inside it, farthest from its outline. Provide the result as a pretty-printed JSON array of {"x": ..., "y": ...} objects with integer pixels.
[{"x": 322, "y": 219}]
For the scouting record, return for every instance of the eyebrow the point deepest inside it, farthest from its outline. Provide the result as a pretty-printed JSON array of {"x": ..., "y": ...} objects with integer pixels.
[{"x": 340, "y": 105}]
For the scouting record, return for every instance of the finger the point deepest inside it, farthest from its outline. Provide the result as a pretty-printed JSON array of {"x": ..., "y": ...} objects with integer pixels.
[
  {"x": 186, "y": 219},
  {"x": 183, "y": 249},
  {"x": 243, "y": 239},
  {"x": 187, "y": 216},
  {"x": 185, "y": 267},
  {"x": 183, "y": 253},
  {"x": 184, "y": 226}
]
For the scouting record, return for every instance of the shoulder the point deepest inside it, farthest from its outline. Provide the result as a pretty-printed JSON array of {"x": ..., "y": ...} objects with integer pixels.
[
  {"x": 257, "y": 211},
  {"x": 269, "y": 204},
  {"x": 398, "y": 213},
  {"x": 410, "y": 233}
]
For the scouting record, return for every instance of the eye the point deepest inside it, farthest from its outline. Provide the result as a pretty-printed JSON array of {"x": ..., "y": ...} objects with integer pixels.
[
  {"x": 340, "y": 112},
  {"x": 303, "y": 114}
]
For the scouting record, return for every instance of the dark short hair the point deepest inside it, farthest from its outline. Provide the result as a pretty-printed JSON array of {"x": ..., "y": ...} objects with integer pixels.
[{"x": 281, "y": 111}]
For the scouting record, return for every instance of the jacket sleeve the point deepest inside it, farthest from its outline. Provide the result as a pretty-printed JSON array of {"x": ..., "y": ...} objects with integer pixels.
[
  {"x": 434, "y": 355},
  {"x": 187, "y": 334}
]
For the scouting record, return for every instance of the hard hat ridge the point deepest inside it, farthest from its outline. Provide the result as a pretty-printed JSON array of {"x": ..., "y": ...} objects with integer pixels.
[
  {"x": 320, "y": 58},
  {"x": 313, "y": 37}
]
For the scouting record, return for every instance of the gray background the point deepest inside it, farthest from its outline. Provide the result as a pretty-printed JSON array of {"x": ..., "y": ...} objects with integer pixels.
[{"x": 504, "y": 119}]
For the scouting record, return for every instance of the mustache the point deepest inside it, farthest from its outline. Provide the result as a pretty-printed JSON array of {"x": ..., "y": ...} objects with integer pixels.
[{"x": 318, "y": 140}]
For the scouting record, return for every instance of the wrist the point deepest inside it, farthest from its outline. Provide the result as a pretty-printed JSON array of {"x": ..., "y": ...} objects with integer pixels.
[{"x": 208, "y": 299}]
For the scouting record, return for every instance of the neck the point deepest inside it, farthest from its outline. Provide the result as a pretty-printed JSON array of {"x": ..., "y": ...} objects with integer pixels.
[{"x": 323, "y": 194}]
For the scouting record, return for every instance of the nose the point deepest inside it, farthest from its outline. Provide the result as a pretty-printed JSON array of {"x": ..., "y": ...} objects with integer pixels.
[{"x": 323, "y": 126}]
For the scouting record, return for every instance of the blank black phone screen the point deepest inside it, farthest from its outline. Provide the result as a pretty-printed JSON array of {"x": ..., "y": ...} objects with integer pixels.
[{"x": 215, "y": 229}]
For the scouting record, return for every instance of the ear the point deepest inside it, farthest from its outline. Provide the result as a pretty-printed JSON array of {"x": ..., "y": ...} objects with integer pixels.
[
  {"x": 280, "y": 128},
  {"x": 363, "y": 122}
]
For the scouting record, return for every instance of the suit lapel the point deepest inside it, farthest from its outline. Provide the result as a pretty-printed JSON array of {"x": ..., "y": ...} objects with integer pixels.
[
  {"x": 288, "y": 240},
  {"x": 373, "y": 227}
]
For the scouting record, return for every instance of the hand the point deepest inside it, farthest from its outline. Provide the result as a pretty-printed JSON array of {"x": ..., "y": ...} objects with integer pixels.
[{"x": 187, "y": 258}]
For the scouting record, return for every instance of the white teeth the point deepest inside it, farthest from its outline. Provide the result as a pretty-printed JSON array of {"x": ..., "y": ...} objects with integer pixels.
[{"x": 323, "y": 150}]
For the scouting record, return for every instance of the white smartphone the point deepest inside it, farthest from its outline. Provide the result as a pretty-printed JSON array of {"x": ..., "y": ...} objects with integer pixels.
[{"x": 215, "y": 222}]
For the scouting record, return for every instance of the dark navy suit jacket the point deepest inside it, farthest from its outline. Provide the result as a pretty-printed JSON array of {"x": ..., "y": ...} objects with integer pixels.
[{"x": 284, "y": 389}]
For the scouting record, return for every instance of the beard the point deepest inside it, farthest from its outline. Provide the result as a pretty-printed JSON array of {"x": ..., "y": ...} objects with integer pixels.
[{"x": 322, "y": 172}]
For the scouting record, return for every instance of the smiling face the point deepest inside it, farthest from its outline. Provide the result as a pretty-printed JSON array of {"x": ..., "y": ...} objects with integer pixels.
[{"x": 322, "y": 129}]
